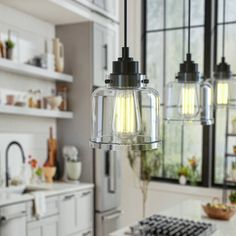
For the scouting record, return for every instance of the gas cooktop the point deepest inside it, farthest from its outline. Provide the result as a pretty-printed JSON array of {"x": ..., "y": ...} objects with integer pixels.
[{"x": 158, "y": 225}]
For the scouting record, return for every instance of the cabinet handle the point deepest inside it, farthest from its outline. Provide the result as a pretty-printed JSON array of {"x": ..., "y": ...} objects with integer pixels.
[
  {"x": 87, "y": 233},
  {"x": 85, "y": 193},
  {"x": 106, "y": 57},
  {"x": 5, "y": 219},
  {"x": 112, "y": 216},
  {"x": 68, "y": 197}
]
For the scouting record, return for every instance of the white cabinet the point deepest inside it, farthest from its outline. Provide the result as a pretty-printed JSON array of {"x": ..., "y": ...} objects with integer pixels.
[
  {"x": 84, "y": 210},
  {"x": 76, "y": 213},
  {"x": 45, "y": 227},
  {"x": 68, "y": 214},
  {"x": 13, "y": 220},
  {"x": 104, "y": 44}
]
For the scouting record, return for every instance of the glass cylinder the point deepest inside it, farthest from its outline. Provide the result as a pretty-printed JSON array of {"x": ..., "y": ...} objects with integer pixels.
[
  {"x": 189, "y": 101},
  {"x": 125, "y": 118}
]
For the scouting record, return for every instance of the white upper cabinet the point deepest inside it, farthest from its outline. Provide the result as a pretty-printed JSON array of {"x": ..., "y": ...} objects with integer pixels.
[{"x": 105, "y": 51}]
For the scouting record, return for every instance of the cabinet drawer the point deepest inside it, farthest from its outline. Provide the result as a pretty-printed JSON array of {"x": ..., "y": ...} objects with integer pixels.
[
  {"x": 52, "y": 208},
  {"x": 13, "y": 209}
]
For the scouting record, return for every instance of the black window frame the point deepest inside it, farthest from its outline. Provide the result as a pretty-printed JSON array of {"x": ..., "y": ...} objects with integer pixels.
[{"x": 210, "y": 60}]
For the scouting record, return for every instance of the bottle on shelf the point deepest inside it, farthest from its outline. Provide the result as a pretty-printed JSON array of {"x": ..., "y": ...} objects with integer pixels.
[{"x": 62, "y": 90}]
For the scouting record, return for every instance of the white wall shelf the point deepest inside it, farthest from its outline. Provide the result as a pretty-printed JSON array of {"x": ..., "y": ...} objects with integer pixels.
[
  {"x": 25, "y": 111},
  {"x": 33, "y": 71}
]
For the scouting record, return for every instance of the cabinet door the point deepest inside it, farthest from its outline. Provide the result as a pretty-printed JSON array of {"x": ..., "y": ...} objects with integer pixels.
[
  {"x": 13, "y": 220},
  {"x": 110, "y": 42},
  {"x": 99, "y": 57},
  {"x": 13, "y": 227},
  {"x": 105, "y": 52},
  {"x": 68, "y": 214},
  {"x": 34, "y": 229},
  {"x": 51, "y": 226},
  {"x": 45, "y": 227},
  {"x": 84, "y": 210}
]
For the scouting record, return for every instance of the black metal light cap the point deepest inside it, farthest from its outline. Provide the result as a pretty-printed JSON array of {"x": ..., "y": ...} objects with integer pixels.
[
  {"x": 222, "y": 70},
  {"x": 188, "y": 71},
  {"x": 125, "y": 72}
]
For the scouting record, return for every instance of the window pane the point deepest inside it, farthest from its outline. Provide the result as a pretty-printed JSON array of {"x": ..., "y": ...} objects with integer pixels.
[
  {"x": 174, "y": 13},
  {"x": 174, "y": 52},
  {"x": 230, "y": 49},
  {"x": 193, "y": 145},
  {"x": 172, "y": 149},
  {"x": 230, "y": 10},
  {"x": 155, "y": 14},
  {"x": 220, "y": 143},
  {"x": 155, "y": 61},
  {"x": 197, "y": 12}
]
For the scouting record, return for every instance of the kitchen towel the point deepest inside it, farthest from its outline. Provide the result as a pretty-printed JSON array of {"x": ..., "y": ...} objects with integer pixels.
[{"x": 39, "y": 204}]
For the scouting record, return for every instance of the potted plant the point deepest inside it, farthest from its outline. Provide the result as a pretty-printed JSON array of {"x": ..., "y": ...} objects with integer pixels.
[
  {"x": 233, "y": 171},
  {"x": 193, "y": 175},
  {"x": 232, "y": 197},
  {"x": 145, "y": 164},
  {"x": 9, "y": 48},
  {"x": 183, "y": 174}
]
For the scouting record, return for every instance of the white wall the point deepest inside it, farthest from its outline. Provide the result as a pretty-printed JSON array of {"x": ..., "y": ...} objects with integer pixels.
[
  {"x": 31, "y": 132},
  {"x": 161, "y": 195}
]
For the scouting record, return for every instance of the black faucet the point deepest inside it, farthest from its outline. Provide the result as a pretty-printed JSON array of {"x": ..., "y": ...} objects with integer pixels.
[{"x": 7, "y": 163}]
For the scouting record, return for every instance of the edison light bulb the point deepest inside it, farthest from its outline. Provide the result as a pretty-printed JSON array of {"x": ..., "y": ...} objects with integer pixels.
[
  {"x": 222, "y": 93},
  {"x": 188, "y": 101},
  {"x": 126, "y": 117}
]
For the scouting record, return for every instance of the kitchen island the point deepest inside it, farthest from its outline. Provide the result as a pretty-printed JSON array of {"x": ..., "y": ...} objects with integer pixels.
[{"x": 192, "y": 210}]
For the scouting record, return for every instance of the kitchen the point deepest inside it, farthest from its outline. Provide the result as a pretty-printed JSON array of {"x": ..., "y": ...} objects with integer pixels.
[{"x": 54, "y": 54}]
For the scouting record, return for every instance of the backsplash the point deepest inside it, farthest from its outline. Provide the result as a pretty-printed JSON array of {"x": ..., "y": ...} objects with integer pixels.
[{"x": 31, "y": 132}]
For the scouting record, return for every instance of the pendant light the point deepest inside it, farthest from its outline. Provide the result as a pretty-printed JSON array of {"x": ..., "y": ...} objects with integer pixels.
[
  {"x": 224, "y": 84},
  {"x": 189, "y": 98},
  {"x": 125, "y": 113}
]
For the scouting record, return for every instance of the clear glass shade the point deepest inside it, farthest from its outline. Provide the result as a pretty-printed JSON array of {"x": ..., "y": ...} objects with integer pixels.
[
  {"x": 125, "y": 118},
  {"x": 225, "y": 94},
  {"x": 189, "y": 101}
]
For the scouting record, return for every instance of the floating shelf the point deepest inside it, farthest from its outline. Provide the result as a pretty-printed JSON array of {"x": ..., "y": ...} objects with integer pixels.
[
  {"x": 33, "y": 71},
  {"x": 25, "y": 111}
]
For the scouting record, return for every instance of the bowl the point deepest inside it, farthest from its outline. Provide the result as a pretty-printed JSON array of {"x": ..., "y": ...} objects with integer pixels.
[
  {"x": 54, "y": 102},
  {"x": 49, "y": 173}
]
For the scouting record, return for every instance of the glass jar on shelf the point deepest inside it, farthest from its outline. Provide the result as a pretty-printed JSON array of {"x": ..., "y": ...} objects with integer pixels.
[{"x": 62, "y": 90}]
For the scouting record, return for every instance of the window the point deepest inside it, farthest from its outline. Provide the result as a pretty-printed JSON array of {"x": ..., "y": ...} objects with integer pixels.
[
  {"x": 166, "y": 37},
  {"x": 230, "y": 52},
  {"x": 165, "y": 47}
]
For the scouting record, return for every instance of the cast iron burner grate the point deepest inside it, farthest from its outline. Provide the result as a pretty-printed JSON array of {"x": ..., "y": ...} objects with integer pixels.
[{"x": 158, "y": 225}]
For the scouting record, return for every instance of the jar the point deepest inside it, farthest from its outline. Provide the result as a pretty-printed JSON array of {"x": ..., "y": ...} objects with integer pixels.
[{"x": 62, "y": 91}]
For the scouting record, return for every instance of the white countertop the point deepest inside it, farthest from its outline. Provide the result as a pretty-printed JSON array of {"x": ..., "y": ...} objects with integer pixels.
[
  {"x": 192, "y": 209},
  {"x": 7, "y": 198}
]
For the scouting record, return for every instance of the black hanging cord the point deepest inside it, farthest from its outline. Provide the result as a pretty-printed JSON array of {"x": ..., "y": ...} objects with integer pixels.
[
  {"x": 189, "y": 24},
  {"x": 125, "y": 23},
  {"x": 223, "y": 33}
]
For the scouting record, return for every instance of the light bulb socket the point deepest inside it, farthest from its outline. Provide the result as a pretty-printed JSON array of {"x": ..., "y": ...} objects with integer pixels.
[
  {"x": 188, "y": 71},
  {"x": 222, "y": 70},
  {"x": 125, "y": 72}
]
